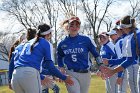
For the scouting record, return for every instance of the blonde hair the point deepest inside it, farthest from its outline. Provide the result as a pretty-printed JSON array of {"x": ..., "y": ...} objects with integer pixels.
[{"x": 64, "y": 24}]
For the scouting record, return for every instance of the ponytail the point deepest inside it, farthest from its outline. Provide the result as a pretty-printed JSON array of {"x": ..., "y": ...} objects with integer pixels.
[
  {"x": 136, "y": 41},
  {"x": 37, "y": 39},
  {"x": 41, "y": 28}
]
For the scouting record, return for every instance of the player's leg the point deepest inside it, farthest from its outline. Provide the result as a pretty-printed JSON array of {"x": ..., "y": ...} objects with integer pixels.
[
  {"x": 108, "y": 86},
  {"x": 15, "y": 84},
  {"x": 132, "y": 77},
  {"x": 84, "y": 81},
  {"x": 29, "y": 79},
  {"x": 138, "y": 80},
  {"x": 76, "y": 87},
  {"x": 113, "y": 87},
  {"x": 123, "y": 87}
]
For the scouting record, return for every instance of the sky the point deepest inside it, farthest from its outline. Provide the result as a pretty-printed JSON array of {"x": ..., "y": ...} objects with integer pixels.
[{"x": 116, "y": 10}]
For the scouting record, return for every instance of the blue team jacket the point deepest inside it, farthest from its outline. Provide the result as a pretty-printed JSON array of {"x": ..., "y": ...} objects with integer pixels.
[
  {"x": 129, "y": 56},
  {"x": 74, "y": 52},
  {"x": 33, "y": 58}
]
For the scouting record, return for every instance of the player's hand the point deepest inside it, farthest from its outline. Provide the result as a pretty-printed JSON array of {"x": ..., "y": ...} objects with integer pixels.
[
  {"x": 56, "y": 79},
  {"x": 103, "y": 68},
  {"x": 100, "y": 74},
  {"x": 69, "y": 81},
  {"x": 119, "y": 81},
  {"x": 62, "y": 70},
  {"x": 105, "y": 61},
  {"x": 109, "y": 72},
  {"x": 47, "y": 80}
]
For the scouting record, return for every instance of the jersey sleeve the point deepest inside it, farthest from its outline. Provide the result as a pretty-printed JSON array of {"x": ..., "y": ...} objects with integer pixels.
[
  {"x": 11, "y": 68},
  {"x": 60, "y": 55},
  {"x": 114, "y": 62},
  {"x": 92, "y": 48},
  {"x": 121, "y": 74},
  {"x": 42, "y": 77},
  {"x": 48, "y": 63},
  {"x": 131, "y": 55},
  {"x": 138, "y": 39}
]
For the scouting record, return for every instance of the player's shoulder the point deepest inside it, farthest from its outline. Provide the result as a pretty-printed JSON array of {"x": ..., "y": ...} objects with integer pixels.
[
  {"x": 83, "y": 36},
  {"x": 87, "y": 39},
  {"x": 137, "y": 30},
  {"x": 43, "y": 41},
  {"x": 20, "y": 46},
  {"x": 110, "y": 43}
]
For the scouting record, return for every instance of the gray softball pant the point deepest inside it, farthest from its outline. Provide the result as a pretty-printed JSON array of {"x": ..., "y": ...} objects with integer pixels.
[
  {"x": 81, "y": 82},
  {"x": 26, "y": 80}
]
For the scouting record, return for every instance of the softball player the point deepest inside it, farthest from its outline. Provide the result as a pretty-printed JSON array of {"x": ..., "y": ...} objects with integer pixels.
[
  {"x": 45, "y": 72},
  {"x": 26, "y": 77},
  {"x": 128, "y": 60},
  {"x": 107, "y": 51},
  {"x": 122, "y": 76},
  {"x": 30, "y": 35},
  {"x": 15, "y": 55},
  {"x": 73, "y": 52}
]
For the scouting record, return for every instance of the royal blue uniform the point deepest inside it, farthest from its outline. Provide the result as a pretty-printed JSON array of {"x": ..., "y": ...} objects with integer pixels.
[
  {"x": 74, "y": 52},
  {"x": 34, "y": 58}
]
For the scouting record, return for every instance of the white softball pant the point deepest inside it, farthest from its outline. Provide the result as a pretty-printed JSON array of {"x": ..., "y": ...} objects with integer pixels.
[
  {"x": 110, "y": 84},
  {"x": 26, "y": 80},
  {"x": 133, "y": 78},
  {"x": 124, "y": 86},
  {"x": 113, "y": 87},
  {"x": 81, "y": 82}
]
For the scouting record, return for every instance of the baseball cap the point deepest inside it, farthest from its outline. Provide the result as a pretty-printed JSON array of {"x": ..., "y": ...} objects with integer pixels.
[
  {"x": 112, "y": 32},
  {"x": 74, "y": 18},
  {"x": 104, "y": 34}
]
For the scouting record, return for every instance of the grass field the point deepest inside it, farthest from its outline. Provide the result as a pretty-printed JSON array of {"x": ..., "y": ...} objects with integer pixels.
[{"x": 97, "y": 86}]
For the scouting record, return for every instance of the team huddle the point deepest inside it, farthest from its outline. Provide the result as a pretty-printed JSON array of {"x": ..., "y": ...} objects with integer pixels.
[{"x": 32, "y": 68}]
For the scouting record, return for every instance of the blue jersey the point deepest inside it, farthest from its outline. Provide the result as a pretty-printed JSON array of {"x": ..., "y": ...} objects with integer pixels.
[
  {"x": 118, "y": 47},
  {"x": 33, "y": 58},
  {"x": 118, "y": 51},
  {"x": 14, "y": 58},
  {"x": 107, "y": 51},
  {"x": 74, "y": 52},
  {"x": 129, "y": 56}
]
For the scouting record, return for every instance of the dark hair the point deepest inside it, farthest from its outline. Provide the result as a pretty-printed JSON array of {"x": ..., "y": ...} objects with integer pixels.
[
  {"x": 16, "y": 43},
  {"x": 31, "y": 33},
  {"x": 129, "y": 20},
  {"x": 41, "y": 28}
]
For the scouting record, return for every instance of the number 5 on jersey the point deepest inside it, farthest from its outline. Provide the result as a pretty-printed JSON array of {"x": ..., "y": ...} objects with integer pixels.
[{"x": 74, "y": 58}]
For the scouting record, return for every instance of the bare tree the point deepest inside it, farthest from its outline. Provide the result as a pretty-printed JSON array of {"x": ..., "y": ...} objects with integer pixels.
[
  {"x": 68, "y": 7},
  {"x": 3, "y": 52},
  {"x": 135, "y": 9},
  {"x": 108, "y": 23},
  {"x": 95, "y": 15},
  {"x": 6, "y": 40}
]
